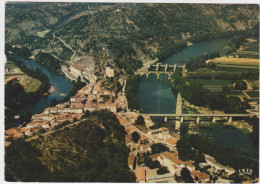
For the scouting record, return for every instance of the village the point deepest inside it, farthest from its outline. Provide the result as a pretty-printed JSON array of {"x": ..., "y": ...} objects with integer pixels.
[{"x": 94, "y": 97}]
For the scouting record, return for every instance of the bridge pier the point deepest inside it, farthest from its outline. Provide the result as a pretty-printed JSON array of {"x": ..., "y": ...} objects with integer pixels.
[
  {"x": 177, "y": 125},
  {"x": 229, "y": 119},
  {"x": 174, "y": 68},
  {"x": 158, "y": 67},
  {"x": 166, "y": 67},
  {"x": 165, "y": 119},
  {"x": 214, "y": 119},
  {"x": 181, "y": 119},
  {"x": 158, "y": 76},
  {"x": 198, "y": 119}
]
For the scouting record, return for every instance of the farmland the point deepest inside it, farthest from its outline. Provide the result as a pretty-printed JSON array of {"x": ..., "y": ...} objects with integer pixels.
[
  {"x": 234, "y": 62},
  {"x": 30, "y": 84},
  {"x": 254, "y": 84},
  {"x": 214, "y": 85},
  {"x": 253, "y": 94}
]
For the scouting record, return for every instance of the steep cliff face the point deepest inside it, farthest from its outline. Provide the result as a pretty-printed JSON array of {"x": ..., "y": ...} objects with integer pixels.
[{"x": 119, "y": 33}]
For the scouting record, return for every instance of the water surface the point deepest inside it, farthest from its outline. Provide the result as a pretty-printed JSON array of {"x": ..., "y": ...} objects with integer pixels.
[
  {"x": 155, "y": 96},
  {"x": 61, "y": 85}
]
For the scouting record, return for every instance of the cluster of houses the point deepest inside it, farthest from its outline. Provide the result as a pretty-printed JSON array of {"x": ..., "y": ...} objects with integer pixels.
[
  {"x": 169, "y": 159},
  {"x": 89, "y": 98}
]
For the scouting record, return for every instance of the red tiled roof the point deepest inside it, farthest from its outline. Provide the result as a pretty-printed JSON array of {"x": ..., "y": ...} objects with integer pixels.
[
  {"x": 140, "y": 174},
  {"x": 172, "y": 157},
  {"x": 171, "y": 141},
  {"x": 78, "y": 67},
  {"x": 202, "y": 176}
]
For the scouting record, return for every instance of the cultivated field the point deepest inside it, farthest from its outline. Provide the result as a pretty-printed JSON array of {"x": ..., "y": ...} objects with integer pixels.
[
  {"x": 241, "y": 62},
  {"x": 253, "y": 94},
  {"x": 214, "y": 85},
  {"x": 254, "y": 83},
  {"x": 30, "y": 84},
  {"x": 236, "y": 93}
]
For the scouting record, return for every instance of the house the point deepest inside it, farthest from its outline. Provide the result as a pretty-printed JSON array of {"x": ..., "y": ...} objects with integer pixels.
[
  {"x": 128, "y": 140},
  {"x": 200, "y": 177},
  {"x": 13, "y": 78},
  {"x": 159, "y": 130},
  {"x": 164, "y": 178},
  {"x": 131, "y": 161},
  {"x": 110, "y": 72},
  {"x": 171, "y": 142},
  {"x": 218, "y": 167},
  {"x": 140, "y": 175}
]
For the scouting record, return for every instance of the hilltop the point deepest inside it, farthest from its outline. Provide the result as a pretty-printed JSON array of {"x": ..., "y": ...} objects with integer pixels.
[
  {"x": 120, "y": 35},
  {"x": 94, "y": 151}
]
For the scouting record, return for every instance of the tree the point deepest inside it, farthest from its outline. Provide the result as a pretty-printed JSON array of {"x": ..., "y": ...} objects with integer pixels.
[
  {"x": 140, "y": 120},
  {"x": 159, "y": 148},
  {"x": 185, "y": 175},
  {"x": 54, "y": 102},
  {"x": 162, "y": 170},
  {"x": 184, "y": 129},
  {"x": 135, "y": 136},
  {"x": 25, "y": 117},
  {"x": 241, "y": 85}
]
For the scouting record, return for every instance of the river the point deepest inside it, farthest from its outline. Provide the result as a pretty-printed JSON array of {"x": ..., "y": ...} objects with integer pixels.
[
  {"x": 62, "y": 87},
  {"x": 155, "y": 96}
]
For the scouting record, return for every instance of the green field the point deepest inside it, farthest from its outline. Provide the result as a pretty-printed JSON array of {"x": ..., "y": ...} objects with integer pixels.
[
  {"x": 253, "y": 49},
  {"x": 214, "y": 85},
  {"x": 254, "y": 83},
  {"x": 235, "y": 68},
  {"x": 253, "y": 94},
  {"x": 236, "y": 94},
  {"x": 30, "y": 84}
]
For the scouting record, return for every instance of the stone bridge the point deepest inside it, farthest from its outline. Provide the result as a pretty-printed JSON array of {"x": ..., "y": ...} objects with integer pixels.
[{"x": 159, "y": 69}]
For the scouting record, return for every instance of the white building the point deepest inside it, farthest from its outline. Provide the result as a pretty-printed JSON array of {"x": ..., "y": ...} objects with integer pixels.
[
  {"x": 76, "y": 69},
  {"x": 110, "y": 72}
]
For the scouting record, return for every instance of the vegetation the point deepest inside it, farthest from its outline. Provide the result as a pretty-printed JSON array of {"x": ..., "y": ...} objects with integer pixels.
[
  {"x": 122, "y": 36},
  {"x": 140, "y": 120},
  {"x": 144, "y": 159},
  {"x": 159, "y": 148},
  {"x": 48, "y": 60},
  {"x": 162, "y": 55},
  {"x": 193, "y": 92},
  {"x": 21, "y": 158},
  {"x": 112, "y": 84},
  {"x": 135, "y": 136},
  {"x": 250, "y": 75},
  {"x": 185, "y": 175},
  {"x": 200, "y": 61},
  {"x": 131, "y": 86},
  {"x": 184, "y": 147},
  {"x": 16, "y": 97},
  {"x": 222, "y": 154},
  {"x": 95, "y": 151}
]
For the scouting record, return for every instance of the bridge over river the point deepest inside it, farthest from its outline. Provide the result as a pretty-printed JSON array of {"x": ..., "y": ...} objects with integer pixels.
[
  {"x": 159, "y": 69},
  {"x": 198, "y": 116}
]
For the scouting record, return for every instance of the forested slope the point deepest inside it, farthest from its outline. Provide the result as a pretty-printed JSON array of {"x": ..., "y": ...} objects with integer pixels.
[{"x": 120, "y": 33}]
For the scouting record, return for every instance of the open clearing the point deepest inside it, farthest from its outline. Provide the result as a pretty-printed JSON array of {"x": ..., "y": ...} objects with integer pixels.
[
  {"x": 234, "y": 62},
  {"x": 30, "y": 84},
  {"x": 214, "y": 85},
  {"x": 236, "y": 93},
  {"x": 253, "y": 94},
  {"x": 254, "y": 83}
]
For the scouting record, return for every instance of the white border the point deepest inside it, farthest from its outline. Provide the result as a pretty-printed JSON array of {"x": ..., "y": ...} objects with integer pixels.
[{"x": 2, "y": 39}]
